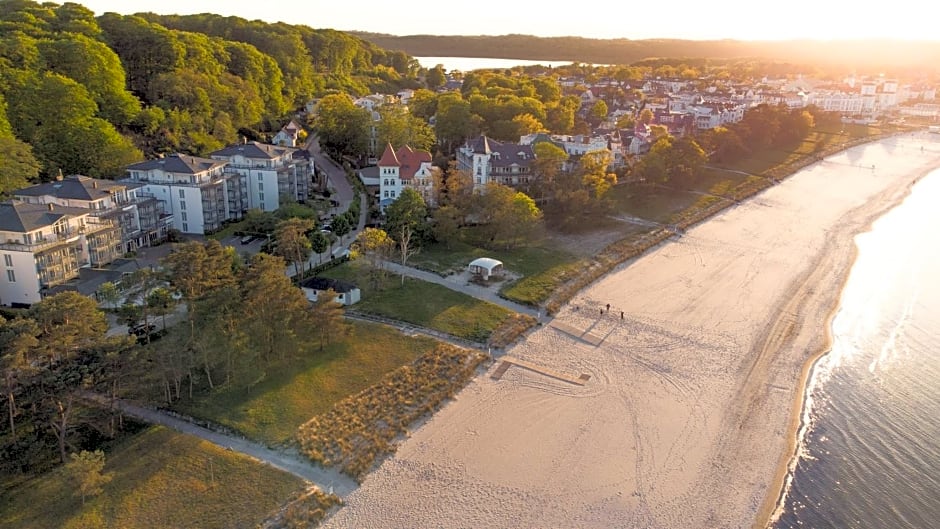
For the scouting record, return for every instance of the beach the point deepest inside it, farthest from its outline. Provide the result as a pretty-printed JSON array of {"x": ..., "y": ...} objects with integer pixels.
[{"x": 678, "y": 406}]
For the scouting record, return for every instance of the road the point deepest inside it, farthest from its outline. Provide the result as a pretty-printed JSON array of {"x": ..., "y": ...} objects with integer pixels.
[
  {"x": 326, "y": 479},
  {"x": 336, "y": 176}
]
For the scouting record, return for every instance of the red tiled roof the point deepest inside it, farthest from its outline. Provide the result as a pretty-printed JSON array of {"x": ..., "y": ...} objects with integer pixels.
[
  {"x": 388, "y": 158},
  {"x": 411, "y": 161}
]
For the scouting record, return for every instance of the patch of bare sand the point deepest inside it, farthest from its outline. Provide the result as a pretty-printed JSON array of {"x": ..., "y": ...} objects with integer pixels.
[{"x": 689, "y": 410}]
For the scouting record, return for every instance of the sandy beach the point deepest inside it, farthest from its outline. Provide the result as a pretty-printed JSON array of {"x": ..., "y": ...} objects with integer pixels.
[{"x": 688, "y": 417}]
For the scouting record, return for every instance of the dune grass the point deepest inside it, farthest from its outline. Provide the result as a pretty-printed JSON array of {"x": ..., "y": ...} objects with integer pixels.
[
  {"x": 161, "y": 479},
  {"x": 290, "y": 394},
  {"x": 362, "y": 428}
]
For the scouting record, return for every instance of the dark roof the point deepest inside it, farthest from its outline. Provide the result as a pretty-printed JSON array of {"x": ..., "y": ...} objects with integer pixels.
[
  {"x": 328, "y": 283},
  {"x": 370, "y": 172},
  {"x": 76, "y": 187},
  {"x": 18, "y": 216},
  {"x": 254, "y": 150},
  {"x": 178, "y": 163},
  {"x": 506, "y": 154}
]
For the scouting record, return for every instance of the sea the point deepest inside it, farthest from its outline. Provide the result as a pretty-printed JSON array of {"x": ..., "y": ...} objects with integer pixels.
[
  {"x": 466, "y": 64},
  {"x": 870, "y": 453}
]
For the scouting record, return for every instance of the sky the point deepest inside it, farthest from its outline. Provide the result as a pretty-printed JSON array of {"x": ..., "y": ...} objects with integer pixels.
[{"x": 604, "y": 19}]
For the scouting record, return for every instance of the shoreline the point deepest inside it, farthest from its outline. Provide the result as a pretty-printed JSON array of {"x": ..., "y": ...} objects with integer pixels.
[
  {"x": 770, "y": 511},
  {"x": 701, "y": 377}
]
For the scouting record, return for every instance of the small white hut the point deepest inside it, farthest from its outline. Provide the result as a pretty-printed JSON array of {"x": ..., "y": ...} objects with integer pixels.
[{"x": 485, "y": 267}]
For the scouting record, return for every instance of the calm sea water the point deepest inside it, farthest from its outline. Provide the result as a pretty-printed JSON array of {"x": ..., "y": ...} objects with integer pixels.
[
  {"x": 871, "y": 457},
  {"x": 465, "y": 64}
]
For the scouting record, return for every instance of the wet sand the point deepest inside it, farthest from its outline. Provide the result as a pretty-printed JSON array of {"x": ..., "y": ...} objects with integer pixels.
[{"x": 689, "y": 413}]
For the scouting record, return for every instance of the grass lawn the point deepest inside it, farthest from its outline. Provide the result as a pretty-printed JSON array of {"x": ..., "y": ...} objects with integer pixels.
[
  {"x": 290, "y": 395},
  {"x": 649, "y": 203},
  {"x": 228, "y": 231},
  {"x": 161, "y": 479},
  {"x": 541, "y": 266},
  {"x": 528, "y": 260},
  {"x": 425, "y": 304}
]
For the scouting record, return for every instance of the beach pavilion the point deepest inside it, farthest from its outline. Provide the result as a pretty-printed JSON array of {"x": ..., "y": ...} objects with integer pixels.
[{"x": 485, "y": 267}]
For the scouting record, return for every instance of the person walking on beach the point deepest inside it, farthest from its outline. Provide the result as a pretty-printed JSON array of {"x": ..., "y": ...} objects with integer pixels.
[{"x": 608, "y": 307}]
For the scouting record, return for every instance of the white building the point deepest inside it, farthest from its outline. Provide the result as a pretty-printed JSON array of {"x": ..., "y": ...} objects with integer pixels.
[
  {"x": 402, "y": 169},
  {"x": 45, "y": 245},
  {"x": 197, "y": 192},
  {"x": 573, "y": 145},
  {"x": 487, "y": 160},
  {"x": 141, "y": 217},
  {"x": 267, "y": 175},
  {"x": 288, "y": 136},
  {"x": 346, "y": 293}
]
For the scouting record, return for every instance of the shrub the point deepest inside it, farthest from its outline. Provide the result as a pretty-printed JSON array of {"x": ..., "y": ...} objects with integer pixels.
[{"x": 362, "y": 428}]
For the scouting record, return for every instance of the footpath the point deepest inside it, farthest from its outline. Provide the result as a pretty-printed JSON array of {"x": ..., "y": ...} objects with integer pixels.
[{"x": 327, "y": 480}]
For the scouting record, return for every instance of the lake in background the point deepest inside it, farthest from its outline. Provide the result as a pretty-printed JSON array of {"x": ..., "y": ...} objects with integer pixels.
[
  {"x": 870, "y": 458},
  {"x": 465, "y": 64}
]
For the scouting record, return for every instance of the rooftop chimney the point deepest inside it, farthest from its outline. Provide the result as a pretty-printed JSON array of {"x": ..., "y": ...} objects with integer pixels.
[
  {"x": 94, "y": 184},
  {"x": 50, "y": 206},
  {"x": 59, "y": 176}
]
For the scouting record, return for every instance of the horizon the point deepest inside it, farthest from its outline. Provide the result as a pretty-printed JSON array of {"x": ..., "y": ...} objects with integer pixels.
[{"x": 413, "y": 18}]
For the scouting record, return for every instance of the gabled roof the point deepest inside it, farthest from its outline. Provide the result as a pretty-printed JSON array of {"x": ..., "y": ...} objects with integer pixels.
[
  {"x": 388, "y": 158},
  {"x": 18, "y": 216},
  {"x": 73, "y": 187},
  {"x": 411, "y": 161},
  {"x": 254, "y": 150},
  {"x": 178, "y": 163},
  {"x": 327, "y": 283},
  {"x": 291, "y": 127}
]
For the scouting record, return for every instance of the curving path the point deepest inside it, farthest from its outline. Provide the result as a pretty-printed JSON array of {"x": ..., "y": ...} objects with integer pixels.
[
  {"x": 328, "y": 480},
  {"x": 453, "y": 282}
]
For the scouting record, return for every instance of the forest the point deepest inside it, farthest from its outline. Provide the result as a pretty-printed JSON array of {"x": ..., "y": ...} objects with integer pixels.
[{"x": 81, "y": 94}]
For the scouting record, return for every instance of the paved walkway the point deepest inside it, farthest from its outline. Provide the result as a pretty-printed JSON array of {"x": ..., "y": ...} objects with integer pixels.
[
  {"x": 456, "y": 283},
  {"x": 411, "y": 329},
  {"x": 328, "y": 480}
]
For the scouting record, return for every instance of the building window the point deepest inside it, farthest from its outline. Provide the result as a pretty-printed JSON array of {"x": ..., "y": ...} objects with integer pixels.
[
  {"x": 182, "y": 206},
  {"x": 8, "y": 259},
  {"x": 182, "y": 194},
  {"x": 261, "y": 197},
  {"x": 260, "y": 186},
  {"x": 393, "y": 194},
  {"x": 183, "y": 215},
  {"x": 185, "y": 227},
  {"x": 11, "y": 277},
  {"x": 386, "y": 193}
]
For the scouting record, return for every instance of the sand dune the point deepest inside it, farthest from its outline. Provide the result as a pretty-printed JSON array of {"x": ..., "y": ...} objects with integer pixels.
[{"x": 688, "y": 414}]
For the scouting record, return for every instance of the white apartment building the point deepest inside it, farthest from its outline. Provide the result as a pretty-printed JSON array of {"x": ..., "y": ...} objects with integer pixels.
[
  {"x": 197, "y": 192},
  {"x": 141, "y": 217},
  {"x": 44, "y": 245},
  {"x": 266, "y": 175}
]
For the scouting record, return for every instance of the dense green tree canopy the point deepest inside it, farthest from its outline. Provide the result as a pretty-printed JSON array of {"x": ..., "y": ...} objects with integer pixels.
[
  {"x": 343, "y": 127},
  {"x": 137, "y": 85}
]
